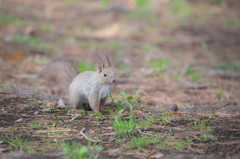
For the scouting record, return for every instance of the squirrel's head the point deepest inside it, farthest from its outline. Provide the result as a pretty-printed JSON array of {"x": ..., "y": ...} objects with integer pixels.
[{"x": 106, "y": 72}]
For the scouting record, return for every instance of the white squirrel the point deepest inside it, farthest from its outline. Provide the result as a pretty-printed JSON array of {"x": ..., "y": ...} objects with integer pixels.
[{"x": 88, "y": 88}]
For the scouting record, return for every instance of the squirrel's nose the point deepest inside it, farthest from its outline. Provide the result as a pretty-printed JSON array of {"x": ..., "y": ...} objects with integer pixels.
[{"x": 114, "y": 81}]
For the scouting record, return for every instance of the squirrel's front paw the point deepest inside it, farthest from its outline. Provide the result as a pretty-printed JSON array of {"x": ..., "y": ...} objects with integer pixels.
[{"x": 95, "y": 109}]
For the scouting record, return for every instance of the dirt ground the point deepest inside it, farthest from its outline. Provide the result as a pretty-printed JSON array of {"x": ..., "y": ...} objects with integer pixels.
[{"x": 176, "y": 52}]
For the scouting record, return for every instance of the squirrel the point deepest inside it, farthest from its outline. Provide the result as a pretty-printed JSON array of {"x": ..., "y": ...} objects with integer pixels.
[{"x": 88, "y": 88}]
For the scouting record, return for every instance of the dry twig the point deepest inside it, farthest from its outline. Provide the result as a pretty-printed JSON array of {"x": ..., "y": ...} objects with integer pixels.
[{"x": 86, "y": 137}]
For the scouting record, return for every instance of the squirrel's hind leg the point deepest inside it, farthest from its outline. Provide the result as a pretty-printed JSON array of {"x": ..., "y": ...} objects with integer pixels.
[
  {"x": 102, "y": 104},
  {"x": 75, "y": 100}
]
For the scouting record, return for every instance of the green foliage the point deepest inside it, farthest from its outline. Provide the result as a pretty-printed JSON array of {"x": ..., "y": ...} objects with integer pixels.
[
  {"x": 52, "y": 109},
  {"x": 201, "y": 125},
  {"x": 177, "y": 76},
  {"x": 227, "y": 67},
  {"x": 195, "y": 76},
  {"x": 35, "y": 125},
  {"x": 143, "y": 124},
  {"x": 40, "y": 60},
  {"x": 82, "y": 111},
  {"x": 69, "y": 40},
  {"x": 181, "y": 8},
  {"x": 124, "y": 67},
  {"x": 75, "y": 151},
  {"x": 111, "y": 97},
  {"x": 46, "y": 27},
  {"x": 131, "y": 101},
  {"x": 142, "y": 3},
  {"x": 165, "y": 118},
  {"x": 123, "y": 127},
  {"x": 95, "y": 114},
  {"x": 143, "y": 141},
  {"x": 32, "y": 41},
  {"x": 10, "y": 19},
  {"x": 230, "y": 21},
  {"x": 218, "y": 93},
  {"x": 149, "y": 47},
  {"x": 75, "y": 116},
  {"x": 105, "y": 2},
  {"x": 210, "y": 116},
  {"x": 204, "y": 46},
  {"x": 94, "y": 146},
  {"x": 218, "y": 2},
  {"x": 17, "y": 143},
  {"x": 72, "y": 2},
  {"x": 159, "y": 65},
  {"x": 118, "y": 112},
  {"x": 180, "y": 144},
  {"x": 165, "y": 39},
  {"x": 206, "y": 137},
  {"x": 85, "y": 66},
  {"x": 139, "y": 14},
  {"x": 139, "y": 3},
  {"x": 51, "y": 123},
  {"x": 35, "y": 101},
  {"x": 3, "y": 85}
]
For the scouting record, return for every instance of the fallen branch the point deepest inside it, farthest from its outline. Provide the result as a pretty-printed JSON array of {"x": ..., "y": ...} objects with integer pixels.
[
  {"x": 86, "y": 137},
  {"x": 14, "y": 92}
]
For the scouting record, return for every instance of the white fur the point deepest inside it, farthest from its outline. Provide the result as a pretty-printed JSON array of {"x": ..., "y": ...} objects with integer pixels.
[
  {"x": 91, "y": 88},
  {"x": 104, "y": 91}
]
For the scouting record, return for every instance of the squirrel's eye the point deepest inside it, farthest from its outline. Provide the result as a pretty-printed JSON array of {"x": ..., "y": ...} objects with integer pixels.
[{"x": 105, "y": 74}]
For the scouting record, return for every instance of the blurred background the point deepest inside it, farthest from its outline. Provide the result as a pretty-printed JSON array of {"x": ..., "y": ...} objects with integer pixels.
[{"x": 176, "y": 51}]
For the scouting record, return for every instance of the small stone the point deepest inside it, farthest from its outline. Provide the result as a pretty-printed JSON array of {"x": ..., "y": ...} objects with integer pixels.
[
  {"x": 172, "y": 107},
  {"x": 61, "y": 104}
]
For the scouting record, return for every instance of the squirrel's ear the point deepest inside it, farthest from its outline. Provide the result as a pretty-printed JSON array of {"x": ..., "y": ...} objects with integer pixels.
[
  {"x": 100, "y": 64},
  {"x": 100, "y": 67},
  {"x": 108, "y": 61}
]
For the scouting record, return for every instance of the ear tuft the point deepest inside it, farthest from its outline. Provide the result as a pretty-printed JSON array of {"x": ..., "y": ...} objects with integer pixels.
[{"x": 108, "y": 61}]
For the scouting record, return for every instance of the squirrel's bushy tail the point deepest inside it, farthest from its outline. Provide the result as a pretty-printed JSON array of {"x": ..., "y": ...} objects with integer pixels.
[{"x": 62, "y": 70}]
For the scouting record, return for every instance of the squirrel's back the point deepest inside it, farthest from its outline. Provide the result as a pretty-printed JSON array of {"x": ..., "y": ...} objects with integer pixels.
[{"x": 83, "y": 82}]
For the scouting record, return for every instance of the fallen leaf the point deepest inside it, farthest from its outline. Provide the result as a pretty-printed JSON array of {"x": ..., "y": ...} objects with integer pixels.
[
  {"x": 16, "y": 56},
  {"x": 51, "y": 104}
]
